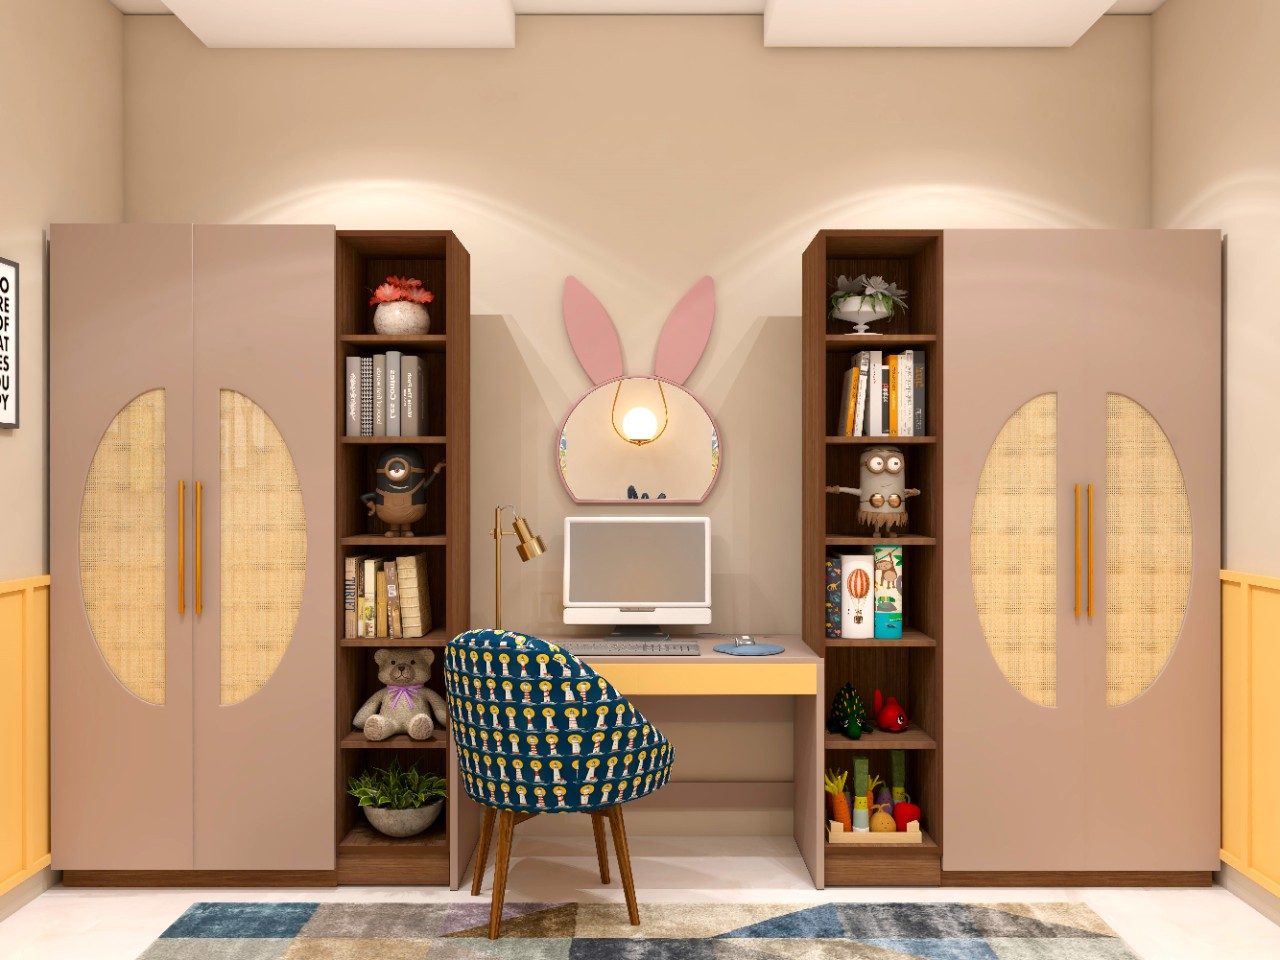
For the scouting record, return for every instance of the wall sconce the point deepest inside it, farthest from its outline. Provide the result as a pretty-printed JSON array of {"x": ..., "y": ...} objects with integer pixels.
[
  {"x": 639, "y": 424},
  {"x": 528, "y": 546}
]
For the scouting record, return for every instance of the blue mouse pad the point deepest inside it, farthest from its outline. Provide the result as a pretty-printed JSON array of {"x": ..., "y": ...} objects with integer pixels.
[{"x": 748, "y": 650}]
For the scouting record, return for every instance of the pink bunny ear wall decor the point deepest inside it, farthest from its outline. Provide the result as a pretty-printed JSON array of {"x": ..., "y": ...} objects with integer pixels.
[{"x": 639, "y": 439}]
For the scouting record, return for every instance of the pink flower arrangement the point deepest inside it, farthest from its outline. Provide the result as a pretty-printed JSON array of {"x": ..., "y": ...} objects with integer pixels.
[{"x": 401, "y": 288}]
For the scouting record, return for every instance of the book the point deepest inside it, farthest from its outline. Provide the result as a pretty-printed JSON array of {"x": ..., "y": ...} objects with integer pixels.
[
  {"x": 381, "y": 600},
  {"x": 906, "y": 392},
  {"x": 366, "y": 396},
  {"x": 860, "y": 413},
  {"x": 379, "y": 394},
  {"x": 888, "y": 592},
  {"x": 891, "y": 423},
  {"x": 393, "y": 393},
  {"x": 917, "y": 397},
  {"x": 352, "y": 400},
  {"x": 857, "y": 620},
  {"x": 848, "y": 402},
  {"x": 369, "y": 598},
  {"x": 393, "y": 599},
  {"x": 411, "y": 397},
  {"x": 833, "y": 599},
  {"x": 875, "y": 413},
  {"x": 352, "y": 591},
  {"x": 884, "y": 401},
  {"x": 415, "y": 602}
]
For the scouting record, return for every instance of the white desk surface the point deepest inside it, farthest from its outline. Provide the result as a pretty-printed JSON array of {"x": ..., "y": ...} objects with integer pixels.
[{"x": 794, "y": 672}]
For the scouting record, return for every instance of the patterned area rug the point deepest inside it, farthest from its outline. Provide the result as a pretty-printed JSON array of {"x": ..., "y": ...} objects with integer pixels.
[{"x": 572, "y": 931}]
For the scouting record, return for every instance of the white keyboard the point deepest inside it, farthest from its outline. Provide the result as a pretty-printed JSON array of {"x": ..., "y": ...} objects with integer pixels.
[{"x": 631, "y": 648}]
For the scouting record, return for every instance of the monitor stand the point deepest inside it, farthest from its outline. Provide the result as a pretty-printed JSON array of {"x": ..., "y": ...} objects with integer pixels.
[{"x": 638, "y": 631}]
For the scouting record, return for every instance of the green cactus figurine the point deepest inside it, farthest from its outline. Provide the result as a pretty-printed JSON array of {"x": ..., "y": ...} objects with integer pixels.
[{"x": 848, "y": 714}]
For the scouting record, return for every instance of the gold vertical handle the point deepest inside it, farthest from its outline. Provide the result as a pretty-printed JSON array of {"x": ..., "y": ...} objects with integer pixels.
[
  {"x": 199, "y": 548},
  {"x": 182, "y": 547},
  {"x": 1077, "y": 606},
  {"x": 1089, "y": 535}
]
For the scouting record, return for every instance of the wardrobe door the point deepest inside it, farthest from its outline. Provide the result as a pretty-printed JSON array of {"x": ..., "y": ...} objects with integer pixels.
[
  {"x": 265, "y": 409},
  {"x": 120, "y": 644},
  {"x": 1152, "y": 674},
  {"x": 1014, "y": 757}
]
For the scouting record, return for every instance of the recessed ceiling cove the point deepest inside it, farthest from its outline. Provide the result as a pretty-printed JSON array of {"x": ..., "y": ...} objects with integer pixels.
[
  {"x": 347, "y": 23},
  {"x": 929, "y": 23}
]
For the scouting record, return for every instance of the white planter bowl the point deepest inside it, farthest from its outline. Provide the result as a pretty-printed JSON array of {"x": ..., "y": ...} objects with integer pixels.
[
  {"x": 403, "y": 823},
  {"x": 860, "y": 313},
  {"x": 400, "y": 318}
]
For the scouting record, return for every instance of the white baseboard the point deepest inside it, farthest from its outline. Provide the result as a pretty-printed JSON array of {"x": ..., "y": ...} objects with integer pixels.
[
  {"x": 1265, "y": 902},
  {"x": 17, "y": 898}
]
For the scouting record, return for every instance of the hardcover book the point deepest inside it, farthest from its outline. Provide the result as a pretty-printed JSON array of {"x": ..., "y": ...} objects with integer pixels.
[
  {"x": 379, "y": 394},
  {"x": 875, "y": 411},
  {"x": 857, "y": 620},
  {"x": 393, "y": 393},
  {"x": 415, "y": 603},
  {"x": 393, "y": 599},
  {"x": 366, "y": 396},
  {"x": 352, "y": 398},
  {"x": 860, "y": 413},
  {"x": 906, "y": 394},
  {"x": 381, "y": 600},
  {"x": 833, "y": 600},
  {"x": 888, "y": 592},
  {"x": 891, "y": 424},
  {"x": 369, "y": 600},
  {"x": 411, "y": 397},
  {"x": 917, "y": 363},
  {"x": 352, "y": 591},
  {"x": 884, "y": 401}
]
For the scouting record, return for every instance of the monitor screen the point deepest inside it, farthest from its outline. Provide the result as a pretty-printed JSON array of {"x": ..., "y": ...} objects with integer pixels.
[{"x": 655, "y": 561}]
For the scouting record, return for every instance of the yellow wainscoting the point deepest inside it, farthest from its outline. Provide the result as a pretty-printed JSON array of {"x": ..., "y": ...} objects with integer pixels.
[
  {"x": 1251, "y": 726},
  {"x": 24, "y": 729}
]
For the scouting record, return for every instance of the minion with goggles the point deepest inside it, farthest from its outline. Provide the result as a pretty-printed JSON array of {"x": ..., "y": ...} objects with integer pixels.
[
  {"x": 882, "y": 492},
  {"x": 400, "y": 499}
]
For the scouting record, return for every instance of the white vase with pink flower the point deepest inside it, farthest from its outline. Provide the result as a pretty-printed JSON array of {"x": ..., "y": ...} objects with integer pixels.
[{"x": 401, "y": 307}]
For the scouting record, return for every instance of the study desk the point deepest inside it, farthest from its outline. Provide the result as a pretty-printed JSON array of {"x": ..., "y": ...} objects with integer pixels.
[{"x": 797, "y": 673}]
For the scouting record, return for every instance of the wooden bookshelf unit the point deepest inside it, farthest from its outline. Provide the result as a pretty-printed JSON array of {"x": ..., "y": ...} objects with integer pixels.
[
  {"x": 910, "y": 668},
  {"x": 364, "y": 259}
]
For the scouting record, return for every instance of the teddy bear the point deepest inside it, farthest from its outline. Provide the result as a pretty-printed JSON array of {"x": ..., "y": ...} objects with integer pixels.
[{"x": 401, "y": 706}]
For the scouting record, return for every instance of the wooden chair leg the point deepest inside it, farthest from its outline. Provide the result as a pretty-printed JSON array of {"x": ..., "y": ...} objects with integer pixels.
[
  {"x": 506, "y": 825},
  {"x": 602, "y": 845},
  {"x": 624, "y": 862},
  {"x": 482, "y": 850}
]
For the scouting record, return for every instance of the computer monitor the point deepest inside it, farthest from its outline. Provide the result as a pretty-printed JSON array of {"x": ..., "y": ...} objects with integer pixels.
[{"x": 637, "y": 571}]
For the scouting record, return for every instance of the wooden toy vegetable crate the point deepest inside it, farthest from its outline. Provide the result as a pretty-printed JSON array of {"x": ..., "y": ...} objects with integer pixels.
[{"x": 836, "y": 834}]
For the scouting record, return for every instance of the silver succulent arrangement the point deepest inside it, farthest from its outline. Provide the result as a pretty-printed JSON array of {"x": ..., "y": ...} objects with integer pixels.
[{"x": 873, "y": 292}]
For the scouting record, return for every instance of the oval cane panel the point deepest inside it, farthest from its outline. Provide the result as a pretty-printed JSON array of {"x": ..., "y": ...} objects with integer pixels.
[
  {"x": 1013, "y": 550},
  {"x": 1148, "y": 541},
  {"x": 263, "y": 547},
  {"x": 122, "y": 546}
]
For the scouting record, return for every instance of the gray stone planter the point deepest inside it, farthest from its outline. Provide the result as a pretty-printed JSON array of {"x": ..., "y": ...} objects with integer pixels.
[
  {"x": 401, "y": 318},
  {"x": 403, "y": 823}
]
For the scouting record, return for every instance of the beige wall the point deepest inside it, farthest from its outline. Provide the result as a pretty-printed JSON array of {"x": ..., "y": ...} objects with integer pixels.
[
  {"x": 62, "y": 117},
  {"x": 639, "y": 154},
  {"x": 1217, "y": 164}
]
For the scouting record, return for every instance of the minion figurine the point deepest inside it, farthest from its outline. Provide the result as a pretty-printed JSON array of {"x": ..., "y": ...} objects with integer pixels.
[{"x": 400, "y": 499}]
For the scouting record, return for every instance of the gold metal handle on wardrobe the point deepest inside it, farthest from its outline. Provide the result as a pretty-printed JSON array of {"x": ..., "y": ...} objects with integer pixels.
[
  {"x": 199, "y": 548},
  {"x": 1077, "y": 607},
  {"x": 1089, "y": 535},
  {"x": 182, "y": 547}
]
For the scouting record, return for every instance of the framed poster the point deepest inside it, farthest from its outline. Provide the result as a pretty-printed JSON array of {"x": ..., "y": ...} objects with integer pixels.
[{"x": 8, "y": 344}]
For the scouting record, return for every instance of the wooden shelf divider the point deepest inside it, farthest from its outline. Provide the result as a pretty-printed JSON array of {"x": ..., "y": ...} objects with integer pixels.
[
  {"x": 391, "y": 441},
  {"x": 355, "y": 740},
  {"x": 912, "y": 738}
]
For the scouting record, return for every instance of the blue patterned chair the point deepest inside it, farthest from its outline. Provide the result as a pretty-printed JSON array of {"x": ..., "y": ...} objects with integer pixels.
[{"x": 539, "y": 731}]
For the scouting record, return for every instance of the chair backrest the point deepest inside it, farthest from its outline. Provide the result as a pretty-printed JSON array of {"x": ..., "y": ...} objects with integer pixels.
[{"x": 539, "y": 730}]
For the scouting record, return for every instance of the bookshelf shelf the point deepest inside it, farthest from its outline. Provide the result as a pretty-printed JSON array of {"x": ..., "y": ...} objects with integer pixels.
[
  {"x": 912, "y": 738},
  {"x": 436, "y": 258},
  {"x": 355, "y": 740},
  {"x": 391, "y": 441},
  {"x": 880, "y": 441},
  {"x": 909, "y": 668}
]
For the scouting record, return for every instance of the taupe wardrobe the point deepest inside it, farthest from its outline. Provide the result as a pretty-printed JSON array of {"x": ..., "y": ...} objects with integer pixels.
[
  {"x": 1081, "y": 670},
  {"x": 192, "y": 416}
]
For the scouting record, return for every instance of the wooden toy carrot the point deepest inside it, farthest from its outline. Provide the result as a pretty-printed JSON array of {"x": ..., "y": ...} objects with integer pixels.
[{"x": 836, "y": 799}]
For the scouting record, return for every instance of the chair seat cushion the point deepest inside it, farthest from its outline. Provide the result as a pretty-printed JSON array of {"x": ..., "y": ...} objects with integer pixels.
[{"x": 539, "y": 730}]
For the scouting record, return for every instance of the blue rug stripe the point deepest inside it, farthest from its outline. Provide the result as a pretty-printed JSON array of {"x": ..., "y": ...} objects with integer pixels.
[
  {"x": 241, "y": 921},
  {"x": 813, "y": 923}
]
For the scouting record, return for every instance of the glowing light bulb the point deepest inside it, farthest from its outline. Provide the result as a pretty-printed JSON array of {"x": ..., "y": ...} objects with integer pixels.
[{"x": 639, "y": 423}]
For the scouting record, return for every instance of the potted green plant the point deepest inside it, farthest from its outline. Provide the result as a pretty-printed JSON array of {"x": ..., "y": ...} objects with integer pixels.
[
  {"x": 864, "y": 300},
  {"x": 398, "y": 802}
]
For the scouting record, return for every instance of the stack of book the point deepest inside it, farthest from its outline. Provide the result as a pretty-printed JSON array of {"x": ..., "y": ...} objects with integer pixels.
[
  {"x": 883, "y": 395},
  {"x": 385, "y": 396},
  {"x": 864, "y": 594},
  {"x": 386, "y": 597}
]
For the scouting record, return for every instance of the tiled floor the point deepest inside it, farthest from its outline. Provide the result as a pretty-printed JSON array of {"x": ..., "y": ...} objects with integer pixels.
[{"x": 1158, "y": 924}]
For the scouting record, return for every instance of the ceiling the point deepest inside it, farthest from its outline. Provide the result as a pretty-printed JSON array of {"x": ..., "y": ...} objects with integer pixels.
[{"x": 491, "y": 23}]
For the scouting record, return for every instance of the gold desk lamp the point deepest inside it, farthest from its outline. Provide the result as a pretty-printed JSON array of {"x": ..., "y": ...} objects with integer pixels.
[{"x": 530, "y": 545}]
